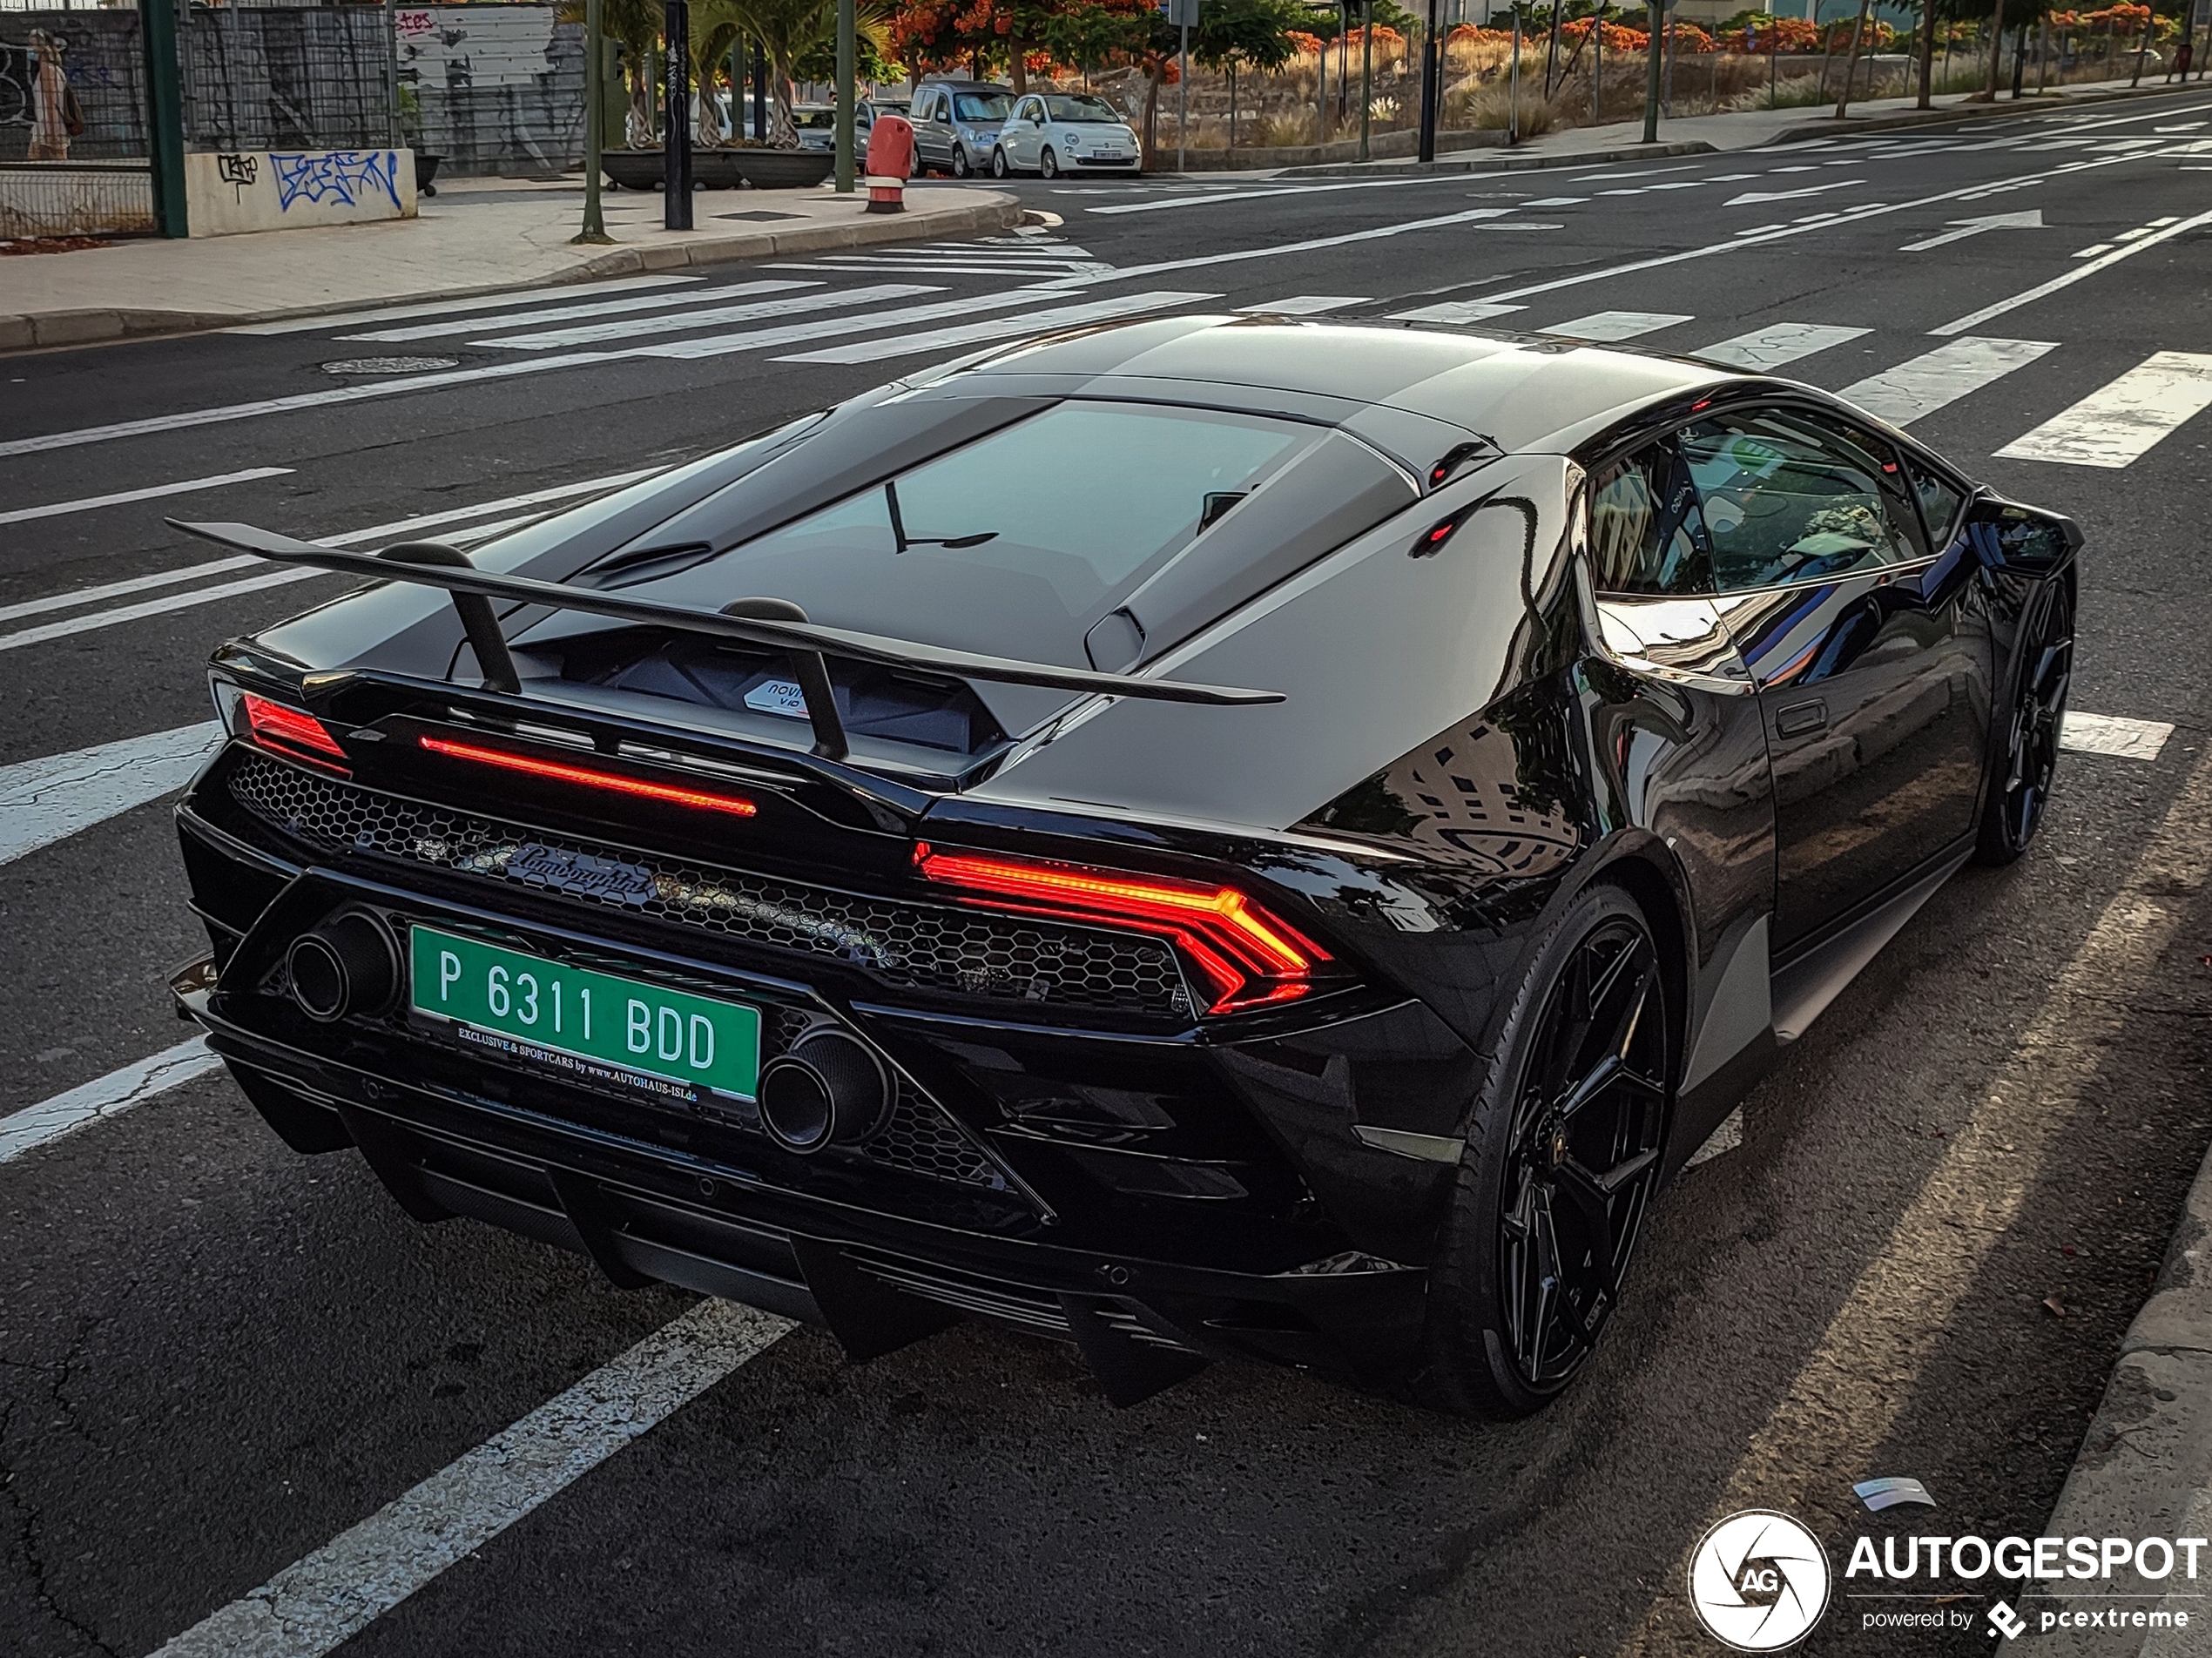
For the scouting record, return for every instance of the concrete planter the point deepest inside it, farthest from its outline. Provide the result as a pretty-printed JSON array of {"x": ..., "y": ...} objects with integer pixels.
[{"x": 725, "y": 169}]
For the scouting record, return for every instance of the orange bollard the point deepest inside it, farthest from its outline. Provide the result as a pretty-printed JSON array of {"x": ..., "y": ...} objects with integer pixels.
[{"x": 889, "y": 164}]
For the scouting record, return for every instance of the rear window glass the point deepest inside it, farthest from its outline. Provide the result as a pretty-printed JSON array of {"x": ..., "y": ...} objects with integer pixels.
[
  {"x": 814, "y": 117},
  {"x": 1049, "y": 515}
]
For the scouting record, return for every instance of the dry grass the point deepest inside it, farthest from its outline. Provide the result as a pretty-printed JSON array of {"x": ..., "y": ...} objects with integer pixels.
[{"x": 1486, "y": 108}]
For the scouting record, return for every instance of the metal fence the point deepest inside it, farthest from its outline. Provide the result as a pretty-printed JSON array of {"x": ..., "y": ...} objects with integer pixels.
[{"x": 60, "y": 71}]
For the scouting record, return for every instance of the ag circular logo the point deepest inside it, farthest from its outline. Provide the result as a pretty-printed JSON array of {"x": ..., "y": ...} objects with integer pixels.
[{"x": 1758, "y": 1581}]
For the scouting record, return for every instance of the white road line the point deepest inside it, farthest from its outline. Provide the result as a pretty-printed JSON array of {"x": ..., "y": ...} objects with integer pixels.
[
  {"x": 451, "y": 515},
  {"x": 2041, "y": 290},
  {"x": 720, "y": 345},
  {"x": 958, "y": 267},
  {"x": 1776, "y": 344},
  {"x": 2118, "y": 424},
  {"x": 631, "y": 328},
  {"x": 2131, "y": 739},
  {"x": 53, "y": 797},
  {"x": 572, "y": 313},
  {"x": 82, "y": 596},
  {"x": 48, "y": 630},
  {"x": 76, "y": 597},
  {"x": 1849, "y": 216},
  {"x": 1306, "y": 305},
  {"x": 155, "y": 492},
  {"x": 1456, "y": 311},
  {"x": 1605, "y": 328},
  {"x": 315, "y": 1604},
  {"x": 224, "y": 412},
  {"x": 997, "y": 328},
  {"x": 1925, "y": 383},
  {"x": 103, "y": 1096},
  {"x": 1380, "y": 232},
  {"x": 1281, "y": 190},
  {"x": 451, "y": 307}
]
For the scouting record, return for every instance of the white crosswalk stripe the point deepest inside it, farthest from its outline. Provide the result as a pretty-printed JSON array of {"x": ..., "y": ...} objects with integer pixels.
[
  {"x": 1306, "y": 305},
  {"x": 989, "y": 256},
  {"x": 450, "y": 308},
  {"x": 1456, "y": 311},
  {"x": 49, "y": 800},
  {"x": 997, "y": 328},
  {"x": 2122, "y": 422},
  {"x": 1609, "y": 328},
  {"x": 632, "y": 327},
  {"x": 719, "y": 344},
  {"x": 1903, "y": 394},
  {"x": 152, "y": 492},
  {"x": 1776, "y": 344},
  {"x": 575, "y": 312}
]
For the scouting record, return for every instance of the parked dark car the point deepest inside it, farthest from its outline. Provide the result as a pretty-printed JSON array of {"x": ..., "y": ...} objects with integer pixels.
[{"x": 1306, "y": 908}]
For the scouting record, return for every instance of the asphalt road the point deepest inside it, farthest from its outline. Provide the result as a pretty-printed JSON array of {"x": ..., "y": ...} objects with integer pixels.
[{"x": 217, "y": 1357}]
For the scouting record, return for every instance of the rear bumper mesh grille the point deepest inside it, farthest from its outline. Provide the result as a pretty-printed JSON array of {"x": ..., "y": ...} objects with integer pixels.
[{"x": 966, "y": 952}]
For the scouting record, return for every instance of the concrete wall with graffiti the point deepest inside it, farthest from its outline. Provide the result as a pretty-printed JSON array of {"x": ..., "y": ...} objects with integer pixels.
[
  {"x": 227, "y": 191},
  {"x": 492, "y": 88}
]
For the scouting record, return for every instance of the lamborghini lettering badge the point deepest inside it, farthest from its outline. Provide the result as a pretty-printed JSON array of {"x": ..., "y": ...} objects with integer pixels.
[{"x": 579, "y": 871}]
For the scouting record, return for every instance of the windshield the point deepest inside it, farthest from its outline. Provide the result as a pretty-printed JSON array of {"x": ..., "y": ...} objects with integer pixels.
[
  {"x": 1081, "y": 108},
  {"x": 1019, "y": 540},
  {"x": 980, "y": 106}
]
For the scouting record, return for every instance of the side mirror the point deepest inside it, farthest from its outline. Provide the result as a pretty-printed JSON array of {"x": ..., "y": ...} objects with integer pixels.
[{"x": 2024, "y": 541}]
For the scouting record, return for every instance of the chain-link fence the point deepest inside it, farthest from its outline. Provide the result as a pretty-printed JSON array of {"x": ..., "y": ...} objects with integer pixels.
[{"x": 73, "y": 125}]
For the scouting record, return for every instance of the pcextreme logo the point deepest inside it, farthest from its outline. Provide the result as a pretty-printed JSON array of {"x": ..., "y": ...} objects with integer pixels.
[{"x": 1758, "y": 1581}]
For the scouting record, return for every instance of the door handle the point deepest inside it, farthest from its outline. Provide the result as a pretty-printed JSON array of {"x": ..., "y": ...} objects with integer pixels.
[{"x": 1799, "y": 718}]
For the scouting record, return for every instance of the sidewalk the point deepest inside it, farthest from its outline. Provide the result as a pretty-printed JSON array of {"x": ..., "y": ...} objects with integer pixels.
[
  {"x": 477, "y": 236},
  {"x": 1737, "y": 130}
]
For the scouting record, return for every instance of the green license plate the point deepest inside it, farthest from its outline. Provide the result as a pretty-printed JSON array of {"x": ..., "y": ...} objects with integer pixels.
[{"x": 526, "y": 1006}]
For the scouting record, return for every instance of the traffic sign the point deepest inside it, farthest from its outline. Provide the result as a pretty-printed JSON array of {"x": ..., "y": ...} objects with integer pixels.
[{"x": 1180, "y": 14}]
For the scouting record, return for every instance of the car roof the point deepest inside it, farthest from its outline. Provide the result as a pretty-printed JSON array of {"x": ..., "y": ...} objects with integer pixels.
[{"x": 1521, "y": 391}]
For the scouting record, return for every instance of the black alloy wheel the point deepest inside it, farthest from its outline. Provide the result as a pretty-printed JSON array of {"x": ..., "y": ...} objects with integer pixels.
[
  {"x": 1049, "y": 164},
  {"x": 999, "y": 169},
  {"x": 1560, "y": 1168},
  {"x": 2020, "y": 784},
  {"x": 961, "y": 166}
]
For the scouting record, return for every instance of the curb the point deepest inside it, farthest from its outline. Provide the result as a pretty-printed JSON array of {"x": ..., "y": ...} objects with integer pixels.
[
  {"x": 2145, "y": 1466},
  {"x": 97, "y": 324},
  {"x": 1486, "y": 159}
]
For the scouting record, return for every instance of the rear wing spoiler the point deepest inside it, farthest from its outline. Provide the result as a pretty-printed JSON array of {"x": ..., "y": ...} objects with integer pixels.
[{"x": 774, "y": 623}]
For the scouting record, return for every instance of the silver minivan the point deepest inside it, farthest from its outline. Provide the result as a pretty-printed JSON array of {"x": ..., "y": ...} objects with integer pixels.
[{"x": 956, "y": 125}]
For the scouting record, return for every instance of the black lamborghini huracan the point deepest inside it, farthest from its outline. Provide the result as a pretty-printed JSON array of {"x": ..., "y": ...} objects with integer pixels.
[{"x": 1205, "y": 836}]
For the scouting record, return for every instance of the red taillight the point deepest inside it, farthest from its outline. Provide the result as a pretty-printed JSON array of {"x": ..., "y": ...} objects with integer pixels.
[
  {"x": 293, "y": 731},
  {"x": 736, "y": 805},
  {"x": 1252, "y": 957}
]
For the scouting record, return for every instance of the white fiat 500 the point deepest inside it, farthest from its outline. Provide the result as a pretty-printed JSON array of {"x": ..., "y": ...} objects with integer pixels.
[{"x": 1052, "y": 133}]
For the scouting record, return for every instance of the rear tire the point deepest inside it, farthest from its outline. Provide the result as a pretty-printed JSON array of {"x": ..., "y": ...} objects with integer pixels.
[
  {"x": 2025, "y": 765},
  {"x": 1562, "y": 1157}
]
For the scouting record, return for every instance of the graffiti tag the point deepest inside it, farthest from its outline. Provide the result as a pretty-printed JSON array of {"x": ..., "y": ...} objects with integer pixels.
[{"x": 346, "y": 176}]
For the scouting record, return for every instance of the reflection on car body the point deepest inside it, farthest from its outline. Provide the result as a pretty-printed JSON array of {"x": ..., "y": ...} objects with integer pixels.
[{"x": 1307, "y": 909}]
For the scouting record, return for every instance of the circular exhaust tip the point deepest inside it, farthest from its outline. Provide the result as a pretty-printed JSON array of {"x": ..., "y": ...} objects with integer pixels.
[
  {"x": 829, "y": 1089},
  {"x": 346, "y": 966}
]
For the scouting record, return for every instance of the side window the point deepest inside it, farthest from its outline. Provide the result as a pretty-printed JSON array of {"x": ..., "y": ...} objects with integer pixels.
[
  {"x": 1790, "y": 497},
  {"x": 1940, "y": 503},
  {"x": 1646, "y": 534},
  {"x": 1033, "y": 111}
]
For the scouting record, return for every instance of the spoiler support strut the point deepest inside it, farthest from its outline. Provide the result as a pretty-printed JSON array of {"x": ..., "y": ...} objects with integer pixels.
[{"x": 776, "y": 623}]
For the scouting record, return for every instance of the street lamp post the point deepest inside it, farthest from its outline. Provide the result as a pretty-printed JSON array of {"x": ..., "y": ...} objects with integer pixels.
[
  {"x": 595, "y": 121},
  {"x": 1432, "y": 84},
  {"x": 848, "y": 51},
  {"x": 676, "y": 141},
  {"x": 1656, "y": 16}
]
